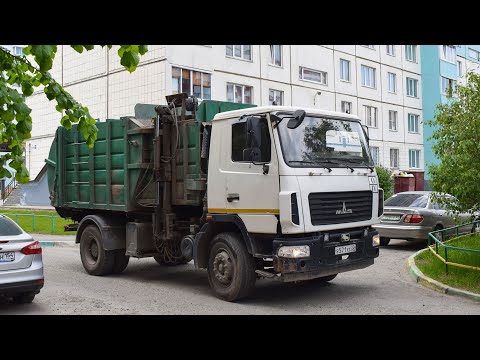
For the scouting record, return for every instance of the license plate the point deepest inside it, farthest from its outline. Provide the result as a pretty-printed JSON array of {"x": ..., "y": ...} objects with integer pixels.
[
  {"x": 391, "y": 217},
  {"x": 340, "y": 250},
  {"x": 7, "y": 256}
]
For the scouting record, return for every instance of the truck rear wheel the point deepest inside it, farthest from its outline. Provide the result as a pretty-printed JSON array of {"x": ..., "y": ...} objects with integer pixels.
[
  {"x": 121, "y": 261},
  {"x": 95, "y": 259},
  {"x": 231, "y": 269}
]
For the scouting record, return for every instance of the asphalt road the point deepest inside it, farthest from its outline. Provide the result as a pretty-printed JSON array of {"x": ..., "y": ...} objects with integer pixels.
[{"x": 147, "y": 288}]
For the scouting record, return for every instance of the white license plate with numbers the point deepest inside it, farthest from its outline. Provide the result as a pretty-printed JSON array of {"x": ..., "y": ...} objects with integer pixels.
[
  {"x": 340, "y": 250},
  {"x": 7, "y": 256}
]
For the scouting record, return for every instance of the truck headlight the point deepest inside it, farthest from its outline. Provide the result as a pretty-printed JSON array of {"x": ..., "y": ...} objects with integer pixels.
[
  {"x": 294, "y": 251},
  {"x": 376, "y": 240}
]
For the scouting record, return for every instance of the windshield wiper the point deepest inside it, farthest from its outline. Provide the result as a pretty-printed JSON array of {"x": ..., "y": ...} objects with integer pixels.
[
  {"x": 339, "y": 163},
  {"x": 311, "y": 162},
  {"x": 361, "y": 162}
]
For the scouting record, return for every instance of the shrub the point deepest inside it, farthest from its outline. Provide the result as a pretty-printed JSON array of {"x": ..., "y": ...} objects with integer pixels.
[{"x": 385, "y": 180}]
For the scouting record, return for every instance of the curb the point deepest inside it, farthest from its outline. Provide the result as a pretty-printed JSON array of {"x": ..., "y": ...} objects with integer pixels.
[
  {"x": 58, "y": 243},
  {"x": 421, "y": 278}
]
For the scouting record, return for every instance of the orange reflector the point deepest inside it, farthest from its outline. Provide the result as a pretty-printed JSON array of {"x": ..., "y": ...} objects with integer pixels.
[{"x": 209, "y": 217}]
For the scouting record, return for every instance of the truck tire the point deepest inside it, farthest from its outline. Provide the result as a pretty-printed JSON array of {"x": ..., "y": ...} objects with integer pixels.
[
  {"x": 121, "y": 261},
  {"x": 161, "y": 261},
  {"x": 95, "y": 259},
  {"x": 231, "y": 269}
]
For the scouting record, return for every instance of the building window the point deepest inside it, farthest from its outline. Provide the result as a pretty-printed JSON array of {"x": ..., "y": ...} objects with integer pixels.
[
  {"x": 411, "y": 53},
  {"x": 474, "y": 54},
  {"x": 447, "y": 84},
  {"x": 370, "y": 46},
  {"x": 239, "y": 93},
  {"x": 391, "y": 50},
  {"x": 241, "y": 150},
  {"x": 239, "y": 51},
  {"x": 394, "y": 158},
  {"x": 313, "y": 75},
  {"x": 344, "y": 70},
  {"x": 346, "y": 107},
  {"x": 413, "y": 123},
  {"x": 448, "y": 53},
  {"x": 17, "y": 50},
  {"x": 368, "y": 76},
  {"x": 459, "y": 69},
  {"x": 375, "y": 154},
  {"x": 276, "y": 55},
  {"x": 392, "y": 83},
  {"x": 392, "y": 120},
  {"x": 412, "y": 85},
  {"x": 371, "y": 116},
  {"x": 194, "y": 83},
  {"x": 275, "y": 97},
  {"x": 414, "y": 159}
]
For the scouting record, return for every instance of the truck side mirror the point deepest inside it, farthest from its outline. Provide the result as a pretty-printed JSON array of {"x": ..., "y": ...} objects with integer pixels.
[
  {"x": 254, "y": 132},
  {"x": 296, "y": 119}
]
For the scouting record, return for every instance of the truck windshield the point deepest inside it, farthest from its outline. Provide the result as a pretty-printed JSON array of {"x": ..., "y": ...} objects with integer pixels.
[{"x": 319, "y": 141}]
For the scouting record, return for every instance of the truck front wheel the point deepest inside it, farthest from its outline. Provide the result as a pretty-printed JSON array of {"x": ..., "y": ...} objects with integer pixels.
[
  {"x": 95, "y": 259},
  {"x": 231, "y": 269}
]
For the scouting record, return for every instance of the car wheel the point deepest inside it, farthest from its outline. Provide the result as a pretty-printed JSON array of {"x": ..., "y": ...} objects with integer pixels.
[
  {"x": 23, "y": 298},
  {"x": 440, "y": 234},
  {"x": 231, "y": 269},
  {"x": 95, "y": 259},
  {"x": 384, "y": 241}
]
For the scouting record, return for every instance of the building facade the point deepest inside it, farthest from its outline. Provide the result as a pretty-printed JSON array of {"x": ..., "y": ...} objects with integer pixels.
[
  {"x": 379, "y": 83},
  {"x": 442, "y": 67}
]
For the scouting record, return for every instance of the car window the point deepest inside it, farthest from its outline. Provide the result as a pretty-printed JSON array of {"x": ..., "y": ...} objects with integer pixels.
[
  {"x": 408, "y": 200},
  {"x": 8, "y": 227}
]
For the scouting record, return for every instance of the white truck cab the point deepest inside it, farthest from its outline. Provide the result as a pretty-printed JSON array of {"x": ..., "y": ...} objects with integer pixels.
[{"x": 300, "y": 185}]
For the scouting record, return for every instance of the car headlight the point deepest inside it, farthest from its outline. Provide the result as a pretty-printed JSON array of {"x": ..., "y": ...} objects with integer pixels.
[
  {"x": 376, "y": 240},
  {"x": 294, "y": 251}
]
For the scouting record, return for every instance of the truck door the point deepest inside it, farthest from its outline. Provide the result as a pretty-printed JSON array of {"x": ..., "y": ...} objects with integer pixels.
[{"x": 250, "y": 167}]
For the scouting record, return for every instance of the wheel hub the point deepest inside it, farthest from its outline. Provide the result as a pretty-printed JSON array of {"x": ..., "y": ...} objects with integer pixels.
[
  {"x": 94, "y": 250},
  {"x": 223, "y": 268}
]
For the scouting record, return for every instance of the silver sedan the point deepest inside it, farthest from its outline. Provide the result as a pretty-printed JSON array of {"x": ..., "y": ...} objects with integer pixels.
[
  {"x": 21, "y": 265},
  {"x": 411, "y": 215}
]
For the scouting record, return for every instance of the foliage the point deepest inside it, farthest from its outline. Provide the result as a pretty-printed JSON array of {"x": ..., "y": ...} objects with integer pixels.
[
  {"x": 456, "y": 140},
  {"x": 15, "y": 115},
  {"x": 385, "y": 180}
]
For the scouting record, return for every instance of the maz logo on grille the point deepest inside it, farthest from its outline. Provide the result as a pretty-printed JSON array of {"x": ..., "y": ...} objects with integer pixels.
[{"x": 344, "y": 210}]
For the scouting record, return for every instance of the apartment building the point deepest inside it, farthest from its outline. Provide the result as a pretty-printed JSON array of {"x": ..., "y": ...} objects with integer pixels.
[
  {"x": 442, "y": 67},
  {"x": 379, "y": 83}
]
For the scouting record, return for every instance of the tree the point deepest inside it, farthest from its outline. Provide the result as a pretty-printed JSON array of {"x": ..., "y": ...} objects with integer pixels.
[
  {"x": 385, "y": 180},
  {"x": 456, "y": 143},
  {"x": 15, "y": 119}
]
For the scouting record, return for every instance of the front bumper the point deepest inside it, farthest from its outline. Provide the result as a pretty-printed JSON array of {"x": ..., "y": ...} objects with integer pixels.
[
  {"x": 407, "y": 232},
  {"x": 322, "y": 260}
]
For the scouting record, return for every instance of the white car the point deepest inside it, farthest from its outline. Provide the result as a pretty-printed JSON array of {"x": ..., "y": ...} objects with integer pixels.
[{"x": 21, "y": 265}]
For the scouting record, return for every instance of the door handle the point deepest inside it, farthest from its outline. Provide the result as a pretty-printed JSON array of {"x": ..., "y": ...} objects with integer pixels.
[{"x": 232, "y": 197}]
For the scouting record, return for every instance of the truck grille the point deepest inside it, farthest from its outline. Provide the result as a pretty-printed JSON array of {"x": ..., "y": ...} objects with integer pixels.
[{"x": 329, "y": 208}]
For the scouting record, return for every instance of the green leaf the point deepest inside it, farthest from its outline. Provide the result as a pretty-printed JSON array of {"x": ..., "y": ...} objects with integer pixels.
[
  {"x": 130, "y": 60},
  {"x": 89, "y": 47},
  {"x": 21, "y": 108},
  {"x": 24, "y": 126},
  {"x": 44, "y": 55},
  {"x": 142, "y": 49},
  {"x": 77, "y": 48},
  {"x": 27, "y": 50},
  {"x": 27, "y": 88}
]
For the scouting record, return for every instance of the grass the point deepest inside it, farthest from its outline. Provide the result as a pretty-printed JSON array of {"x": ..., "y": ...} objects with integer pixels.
[
  {"x": 43, "y": 223},
  {"x": 461, "y": 278}
]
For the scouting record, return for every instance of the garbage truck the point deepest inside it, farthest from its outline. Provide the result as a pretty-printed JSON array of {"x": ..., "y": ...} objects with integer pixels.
[{"x": 246, "y": 192}]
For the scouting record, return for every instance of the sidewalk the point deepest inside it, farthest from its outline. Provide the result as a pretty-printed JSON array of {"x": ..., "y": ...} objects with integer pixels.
[{"x": 55, "y": 240}]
